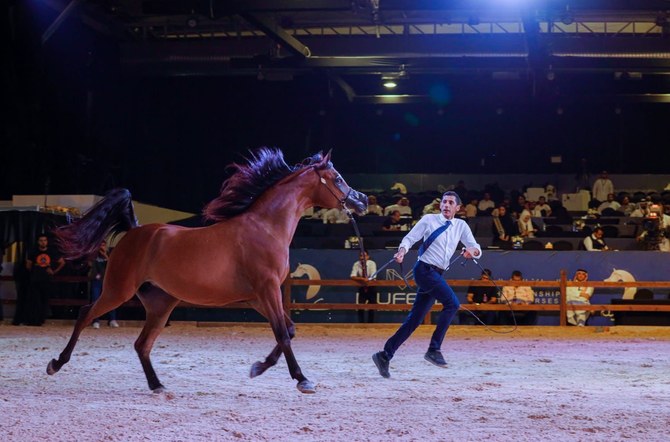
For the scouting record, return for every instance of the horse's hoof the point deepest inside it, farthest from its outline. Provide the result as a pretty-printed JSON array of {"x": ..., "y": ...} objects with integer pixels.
[
  {"x": 162, "y": 392},
  {"x": 257, "y": 369},
  {"x": 50, "y": 367},
  {"x": 307, "y": 387}
]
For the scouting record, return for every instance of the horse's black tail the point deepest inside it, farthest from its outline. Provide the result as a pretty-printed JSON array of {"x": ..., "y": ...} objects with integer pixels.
[{"x": 110, "y": 216}]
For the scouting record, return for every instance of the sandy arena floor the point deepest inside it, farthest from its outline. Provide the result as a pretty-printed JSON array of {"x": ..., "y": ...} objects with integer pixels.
[{"x": 539, "y": 383}]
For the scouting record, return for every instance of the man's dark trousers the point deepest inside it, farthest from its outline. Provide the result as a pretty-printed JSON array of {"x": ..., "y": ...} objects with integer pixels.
[{"x": 430, "y": 286}]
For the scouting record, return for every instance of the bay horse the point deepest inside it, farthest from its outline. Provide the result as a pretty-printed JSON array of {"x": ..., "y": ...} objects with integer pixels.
[{"x": 242, "y": 256}]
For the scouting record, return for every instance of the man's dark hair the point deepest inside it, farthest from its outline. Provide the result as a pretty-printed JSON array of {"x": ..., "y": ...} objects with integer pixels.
[
  {"x": 486, "y": 272},
  {"x": 454, "y": 194},
  {"x": 517, "y": 273}
]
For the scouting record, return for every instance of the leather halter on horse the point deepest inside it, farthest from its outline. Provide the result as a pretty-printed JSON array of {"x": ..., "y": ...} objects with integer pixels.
[
  {"x": 343, "y": 201},
  {"x": 338, "y": 182}
]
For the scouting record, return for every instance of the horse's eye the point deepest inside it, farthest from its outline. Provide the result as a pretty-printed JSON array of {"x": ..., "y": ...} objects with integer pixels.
[{"x": 338, "y": 180}]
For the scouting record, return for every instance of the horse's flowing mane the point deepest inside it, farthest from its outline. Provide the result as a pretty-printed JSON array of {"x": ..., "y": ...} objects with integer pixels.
[{"x": 248, "y": 181}]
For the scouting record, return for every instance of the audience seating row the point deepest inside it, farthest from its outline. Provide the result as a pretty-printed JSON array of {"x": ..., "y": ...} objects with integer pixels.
[
  {"x": 392, "y": 242},
  {"x": 620, "y": 235}
]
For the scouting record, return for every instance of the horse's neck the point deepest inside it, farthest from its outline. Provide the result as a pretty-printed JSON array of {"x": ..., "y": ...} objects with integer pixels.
[{"x": 284, "y": 204}]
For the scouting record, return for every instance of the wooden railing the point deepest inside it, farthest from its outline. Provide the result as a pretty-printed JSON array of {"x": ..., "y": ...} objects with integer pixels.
[
  {"x": 563, "y": 283},
  {"x": 78, "y": 302}
]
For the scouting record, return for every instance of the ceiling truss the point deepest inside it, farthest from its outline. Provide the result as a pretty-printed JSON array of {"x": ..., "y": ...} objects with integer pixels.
[{"x": 344, "y": 38}]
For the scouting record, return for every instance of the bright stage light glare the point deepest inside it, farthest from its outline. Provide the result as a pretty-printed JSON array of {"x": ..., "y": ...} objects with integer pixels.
[{"x": 390, "y": 84}]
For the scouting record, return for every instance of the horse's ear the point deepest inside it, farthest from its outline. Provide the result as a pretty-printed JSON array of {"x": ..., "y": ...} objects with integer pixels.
[{"x": 326, "y": 158}]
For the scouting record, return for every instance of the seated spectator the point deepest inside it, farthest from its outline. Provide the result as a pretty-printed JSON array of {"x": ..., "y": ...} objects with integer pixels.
[
  {"x": 335, "y": 216},
  {"x": 503, "y": 228},
  {"x": 517, "y": 206},
  {"x": 400, "y": 187},
  {"x": 530, "y": 207},
  {"x": 471, "y": 208},
  {"x": 402, "y": 206},
  {"x": 595, "y": 241},
  {"x": 611, "y": 203},
  {"x": 592, "y": 209},
  {"x": 526, "y": 227},
  {"x": 373, "y": 207},
  {"x": 641, "y": 210},
  {"x": 578, "y": 295},
  {"x": 461, "y": 213},
  {"x": 550, "y": 190},
  {"x": 315, "y": 212},
  {"x": 486, "y": 205},
  {"x": 626, "y": 206},
  {"x": 432, "y": 207},
  {"x": 541, "y": 209},
  {"x": 518, "y": 295},
  {"x": 481, "y": 295},
  {"x": 393, "y": 221}
]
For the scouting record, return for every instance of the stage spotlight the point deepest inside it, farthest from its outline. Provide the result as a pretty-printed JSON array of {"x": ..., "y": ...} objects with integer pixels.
[{"x": 391, "y": 80}]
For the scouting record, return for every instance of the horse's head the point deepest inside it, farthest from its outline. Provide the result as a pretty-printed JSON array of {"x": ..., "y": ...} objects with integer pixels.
[{"x": 333, "y": 191}]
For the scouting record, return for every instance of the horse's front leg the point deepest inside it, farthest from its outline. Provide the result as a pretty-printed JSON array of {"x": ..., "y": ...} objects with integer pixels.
[
  {"x": 258, "y": 368},
  {"x": 274, "y": 311},
  {"x": 284, "y": 341}
]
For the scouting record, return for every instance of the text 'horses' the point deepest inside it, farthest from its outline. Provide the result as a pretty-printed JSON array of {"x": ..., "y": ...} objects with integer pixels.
[{"x": 243, "y": 256}]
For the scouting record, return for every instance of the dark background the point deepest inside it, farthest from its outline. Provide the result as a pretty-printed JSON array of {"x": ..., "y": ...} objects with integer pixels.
[{"x": 77, "y": 121}]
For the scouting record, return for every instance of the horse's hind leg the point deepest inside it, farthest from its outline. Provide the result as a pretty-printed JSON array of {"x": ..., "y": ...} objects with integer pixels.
[
  {"x": 86, "y": 315},
  {"x": 83, "y": 320},
  {"x": 258, "y": 368},
  {"x": 158, "y": 305}
]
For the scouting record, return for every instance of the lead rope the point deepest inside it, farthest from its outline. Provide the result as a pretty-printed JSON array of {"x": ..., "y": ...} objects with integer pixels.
[
  {"x": 498, "y": 289},
  {"x": 501, "y": 295},
  {"x": 343, "y": 202},
  {"x": 361, "y": 246}
]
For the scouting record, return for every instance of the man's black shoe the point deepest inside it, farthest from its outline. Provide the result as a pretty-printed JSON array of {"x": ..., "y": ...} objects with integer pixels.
[
  {"x": 382, "y": 363},
  {"x": 435, "y": 357}
]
